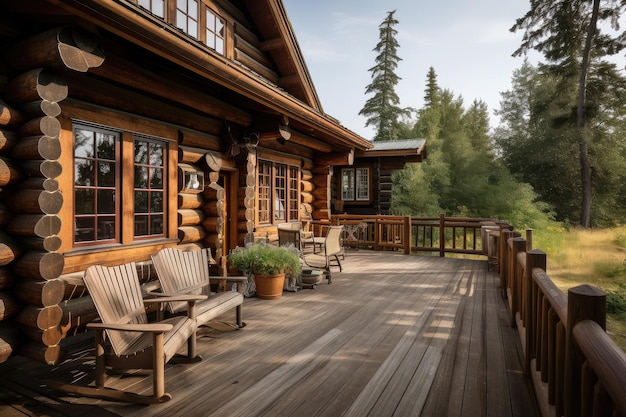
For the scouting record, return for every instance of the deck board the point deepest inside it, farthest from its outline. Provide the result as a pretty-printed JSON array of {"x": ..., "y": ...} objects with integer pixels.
[{"x": 393, "y": 335}]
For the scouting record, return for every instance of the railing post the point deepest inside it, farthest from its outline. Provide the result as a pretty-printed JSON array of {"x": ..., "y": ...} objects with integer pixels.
[
  {"x": 529, "y": 240},
  {"x": 584, "y": 302},
  {"x": 517, "y": 245},
  {"x": 442, "y": 235},
  {"x": 407, "y": 235},
  {"x": 503, "y": 256},
  {"x": 376, "y": 235},
  {"x": 534, "y": 259}
]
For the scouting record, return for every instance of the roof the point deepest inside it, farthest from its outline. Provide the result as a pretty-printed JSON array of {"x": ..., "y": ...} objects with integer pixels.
[{"x": 413, "y": 149}]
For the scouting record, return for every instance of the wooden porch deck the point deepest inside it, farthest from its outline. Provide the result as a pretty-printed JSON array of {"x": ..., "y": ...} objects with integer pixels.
[{"x": 393, "y": 335}]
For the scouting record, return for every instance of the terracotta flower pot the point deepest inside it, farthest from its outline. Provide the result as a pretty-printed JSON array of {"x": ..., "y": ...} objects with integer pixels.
[{"x": 269, "y": 287}]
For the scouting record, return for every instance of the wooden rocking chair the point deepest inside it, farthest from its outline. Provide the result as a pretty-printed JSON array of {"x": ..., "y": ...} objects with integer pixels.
[
  {"x": 187, "y": 272},
  {"x": 134, "y": 343}
]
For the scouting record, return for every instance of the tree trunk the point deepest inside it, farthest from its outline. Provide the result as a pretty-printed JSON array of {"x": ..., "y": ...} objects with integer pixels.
[{"x": 585, "y": 168}]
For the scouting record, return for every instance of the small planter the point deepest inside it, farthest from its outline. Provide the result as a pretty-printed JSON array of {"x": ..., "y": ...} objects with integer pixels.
[{"x": 269, "y": 287}]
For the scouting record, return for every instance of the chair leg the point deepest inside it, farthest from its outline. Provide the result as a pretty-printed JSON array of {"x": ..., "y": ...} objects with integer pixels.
[{"x": 158, "y": 371}]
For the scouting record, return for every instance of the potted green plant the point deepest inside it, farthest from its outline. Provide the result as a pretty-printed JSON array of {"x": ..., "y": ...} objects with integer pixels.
[{"x": 268, "y": 264}]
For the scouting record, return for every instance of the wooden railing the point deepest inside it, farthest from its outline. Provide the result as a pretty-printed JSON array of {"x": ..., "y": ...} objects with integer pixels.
[
  {"x": 440, "y": 235},
  {"x": 576, "y": 369}
]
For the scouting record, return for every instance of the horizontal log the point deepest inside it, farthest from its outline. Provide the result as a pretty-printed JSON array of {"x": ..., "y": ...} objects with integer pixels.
[
  {"x": 336, "y": 158},
  {"x": 50, "y": 355},
  {"x": 9, "y": 172},
  {"x": 255, "y": 66},
  {"x": 252, "y": 51},
  {"x": 39, "y": 293},
  {"x": 190, "y": 201},
  {"x": 9, "y": 306},
  {"x": 7, "y": 139},
  {"x": 40, "y": 183},
  {"x": 320, "y": 194},
  {"x": 48, "y": 337},
  {"x": 188, "y": 234},
  {"x": 64, "y": 47},
  {"x": 320, "y": 204},
  {"x": 29, "y": 201},
  {"x": 306, "y": 175},
  {"x": 214, "y": 192},
  {"x": 207, "y": 139},
  {"x": 307, "y": 164},
  {"x": 40, "y": 265},
  {"x": 41, "y": 168},
  {"x": 76, "y": 313},
  {"x": 41, "y": 126},
  {"x": 187, "y": 217},
  {"x": 41, "y": 225},
  {"x": 42, "y": 108},
  {"x": 48, "y": 243},
  {"x": 306, "y": 186},
  {"x": 40, "y": 317},
  {"x": 306, "y": 197},
  {"x": 10, "y": 117},
  {"x": 213, "y": 208},
  {"x": 9, "y": 250},
  {"x": 37, "y": 147},
  {"x": 189, "y": 155},
  {"x": 213, "y": 225},
  {"x": 10, "y": 340},
  {"x": 321, "y": 214},
  {"x": 320, "y": 181},
  {"x": 5, "y": 215},
  {"x": 37, "y": 86},
  {"x": 7, "y": 279}
]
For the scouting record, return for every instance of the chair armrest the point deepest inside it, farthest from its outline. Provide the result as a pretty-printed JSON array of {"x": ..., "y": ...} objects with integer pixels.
[
  {"x": 148, "y": 327},
  {"x": 241, "y": 278},
  {"x": 165, "y": 298}
]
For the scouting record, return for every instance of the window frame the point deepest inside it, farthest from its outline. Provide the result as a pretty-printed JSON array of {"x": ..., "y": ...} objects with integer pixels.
[
  {"x": 274, "y": 177},
  {"x": 124, "y": 223},
  {"x": 351, "y": 193}
]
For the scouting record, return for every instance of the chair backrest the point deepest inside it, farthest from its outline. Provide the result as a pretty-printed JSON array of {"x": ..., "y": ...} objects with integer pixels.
[
  {"x": 332, "y": 243},
  {"x": 289, "y": 236},
  {"x": 116, "y": 293},
  {"x": 182, "y": 272}
]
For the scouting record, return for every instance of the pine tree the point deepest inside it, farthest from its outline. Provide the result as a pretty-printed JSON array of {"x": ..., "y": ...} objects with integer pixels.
[{"x": 382, "y": 110}]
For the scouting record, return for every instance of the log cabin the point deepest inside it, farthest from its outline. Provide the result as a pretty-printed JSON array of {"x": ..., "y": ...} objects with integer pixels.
[
  {"x": 365, "y": 186},
  {"x": 127, "y": 126}
]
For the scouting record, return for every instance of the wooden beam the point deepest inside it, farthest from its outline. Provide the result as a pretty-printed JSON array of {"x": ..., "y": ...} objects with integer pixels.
[{"x": 346, "y": 158}]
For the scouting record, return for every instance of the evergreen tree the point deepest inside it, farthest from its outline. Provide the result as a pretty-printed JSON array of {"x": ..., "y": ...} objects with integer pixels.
[
  {"x": 382, "y": 110},
  {"x": 567, "y": 33}
]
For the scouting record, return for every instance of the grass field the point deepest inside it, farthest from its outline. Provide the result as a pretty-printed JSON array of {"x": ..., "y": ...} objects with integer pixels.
[{"x": 595, "y": 257}]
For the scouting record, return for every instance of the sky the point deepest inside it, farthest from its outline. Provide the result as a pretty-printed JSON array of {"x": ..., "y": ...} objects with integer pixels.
[{"x": 468, "y": 43}]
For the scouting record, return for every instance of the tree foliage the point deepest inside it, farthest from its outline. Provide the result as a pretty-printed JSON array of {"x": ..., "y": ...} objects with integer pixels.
[
  {"x": 382, "y": 109},
  {"x": 567, "y": 33}
]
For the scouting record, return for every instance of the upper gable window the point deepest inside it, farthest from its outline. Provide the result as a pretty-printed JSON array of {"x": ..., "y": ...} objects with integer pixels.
[
  {"x": 187, "y": 16},
  {"x": 156, "y": 7},
  {"x": 214, "y": 37}
]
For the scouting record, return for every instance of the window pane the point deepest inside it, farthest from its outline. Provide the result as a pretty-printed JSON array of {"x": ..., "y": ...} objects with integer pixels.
[
  {"x": 84, "y": 230},
  {"x": 347, "y": 184},
  {"x": 219, "y": 46},
  {"x": 105, "y": 144},
  {"x": 156, "y": 178},
  {"x": 156, "y": 202},
  {"x": 83, "y": 201},
  {"x": 156, "y": 225},
  {"x": 106, "y": 174},
  {"x": 181, "y": 20},
  {"x": 141, "y": 201},
  {"x": 192, "y": 9},
  {"x": 83, "y": 143},
  {"x": 106, "y": 201},
  {"x": 156, "y": 154},
  {"x": 83, "y": 173},
  {"x": 141, "y": 152},
  {"x": 192, "y": 28},
  {"x": 362, "y": 184},
  {"x": 106, "y": 227},
  {"x": 141, "y": 177},
  {"x": 141, "y": 225}
]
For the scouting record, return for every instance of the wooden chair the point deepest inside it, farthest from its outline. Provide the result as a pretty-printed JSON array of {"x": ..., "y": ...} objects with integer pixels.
[
  {"x": 187, "y": 272},
  {"x": 133, "y": 343},
  {"x": 330, "y": 252}
]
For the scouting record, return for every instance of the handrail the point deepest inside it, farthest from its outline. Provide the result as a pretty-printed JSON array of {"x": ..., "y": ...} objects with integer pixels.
[
  {"x": 442, "y": 235},
  {"x": 576, "y": 368}
]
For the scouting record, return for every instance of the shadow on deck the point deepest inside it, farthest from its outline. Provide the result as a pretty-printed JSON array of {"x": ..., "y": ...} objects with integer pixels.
[{"x": 393, "y": 335}]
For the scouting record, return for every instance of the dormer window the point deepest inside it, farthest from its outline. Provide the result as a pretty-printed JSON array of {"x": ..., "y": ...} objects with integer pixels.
[
  {"x": 187, "y": 17},
  {"x": 215, "y": 26},
  {"x": 156, "y": 7}
]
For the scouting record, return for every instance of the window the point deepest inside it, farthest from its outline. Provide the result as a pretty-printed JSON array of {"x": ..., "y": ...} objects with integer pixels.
[
  {"x": 187, "y": 17},
  {"x": 99, "y": 183},
  {"x": 278, "y": 188},
  {"x": 214, "y": 36},
  {"x": 156, "y": 7},
  {"x": 355, "y": 184},
  {"x": 96, "y": 182}
]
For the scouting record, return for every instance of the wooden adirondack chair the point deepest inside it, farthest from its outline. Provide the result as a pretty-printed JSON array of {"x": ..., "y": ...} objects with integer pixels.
[
  {"x": 331, "y": 250},
  {"x": 187, "y": 272},
  {"x": 134, "y": 343}
]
